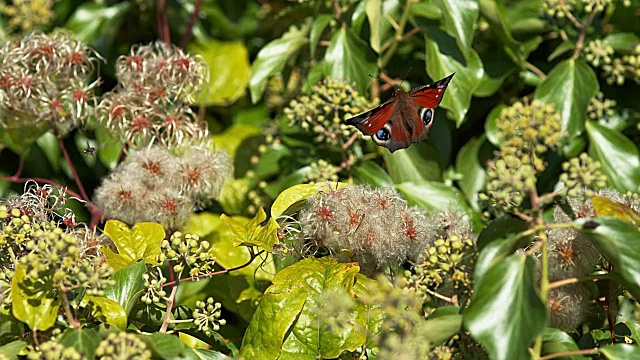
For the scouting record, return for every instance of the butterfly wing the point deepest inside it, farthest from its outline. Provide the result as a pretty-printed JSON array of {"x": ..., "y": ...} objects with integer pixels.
[
  {"x": 424, "y": 100},
  {"x": 403, "y": 120}
]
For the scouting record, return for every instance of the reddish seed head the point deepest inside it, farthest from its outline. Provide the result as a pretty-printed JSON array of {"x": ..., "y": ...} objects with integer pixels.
[
  {"x": 46, "y": 50},
  {"x": 152, "y": 167},
  {"x": 69, "y": 221},
  {"x": 158, "y": 93},
  {"x": 410, "y": 229},
  {"x": 192, "y": 176},
  {"x": 79, "y": 95},
  {"x": 170, "y": 206},
  {"x": 324, "y": 213},
  {"x": 134, "y": 62},
  {"x": 566, "y": 253},
  {"x": 26, "y": 82},
  {"x": 171, "y": 120},
  {"x": 125, "y": 195},
  {"x": 6, "y": 81},
  {"x": 354, "y": 219},
  {"x": 140, "y": 124},
  {"x": 184, "y": 63},
  {"x": 77, "y": 58},
  {"x": 56, "y": 106},
  {"x": 116, "y": 111}
]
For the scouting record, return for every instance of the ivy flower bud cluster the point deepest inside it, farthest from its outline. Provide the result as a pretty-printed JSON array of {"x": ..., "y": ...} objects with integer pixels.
[
  {"x": 150, "y": 104},
  {"x": 581, "y": 175},
  {"x": 187, "y": 252},
  {"x": 56, "y": 257},
  {"x": 360, "y": 223},
  {"x": 599, "y": 107},
  {"x": 51, "y": 350},
  {"x": 157, "y": 185},
  {"x": 44, "y": 79},
  {"x": 207, "y": 316},
  {"x": 527, "y": 132},
  {"x": 324, "y": 111},
  {"x": 154, "y": 288},
  {"x": 447, "y": 262},
  {"x": 627, "y": 66},
  {"x": 26, "y": 15},
  {"x": 122, "y": 345}
]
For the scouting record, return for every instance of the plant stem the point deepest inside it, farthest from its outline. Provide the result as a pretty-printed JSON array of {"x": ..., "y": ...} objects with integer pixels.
[
  {"x": 167, "y": 315},
  {"x": 76, "y": 178},
  {"x": 583, "y": 31},
  {"x": 569, "y": 353},
  {"x": 388, "y": 55},
  {"x": 186, "y": 37}
]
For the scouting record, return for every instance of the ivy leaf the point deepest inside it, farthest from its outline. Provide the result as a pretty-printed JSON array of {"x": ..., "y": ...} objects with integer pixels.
[
  {"x": 444, "y": 59},
  {"x": 257, "y": 232},
  {"x": 318, "y": 25},
  {"x": 113, "y": 313},
  {"x": 419, "y": 162},
  {"x": 142, "y": 242},
  {"x": 460, "y": 18},
  {"x": 293, "y": 198},
  {"x": 618, "y": 241},
  {"x": 32, "y": 303},
  {"x": 273, "y": 57},
  {"x": 556, "y": 340},
  {"x": 621, "y": 352},
  {"x": 505, "y": 313},
  {"x": 84, "y": 340},
  {"x": 369, "y": 172},
  {"x": 98, "y": 23},
  {"x": 618, "y": 155},
  {"x": 128, "y": 285},
  {"x": 605, "y": 207},
  {"x": 350, "y": 59},
  {"x": 373, "y": 9},
  {"x": 570, "y": 86},
  {"x": 229, "y": 70},
  {"x": 432, "y": 195},
  {"x": 469, "y": 163},
  {"x": 285, "y": 325},
  {"x": 624, "y": 42}
]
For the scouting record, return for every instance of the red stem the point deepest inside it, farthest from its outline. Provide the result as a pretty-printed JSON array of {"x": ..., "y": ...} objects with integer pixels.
[
  {"x": 163, "y": 22},
  {"x": 73, "y": 169},
  {"x": 192, "y": 21}
]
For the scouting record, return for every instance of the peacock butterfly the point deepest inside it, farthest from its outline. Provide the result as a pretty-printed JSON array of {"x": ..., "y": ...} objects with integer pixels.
[{"x": 405, "y": 118}]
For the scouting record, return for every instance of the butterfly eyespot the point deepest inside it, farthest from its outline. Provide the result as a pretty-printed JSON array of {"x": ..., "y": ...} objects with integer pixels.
[
  {"x": 383, "y": 134},
  {"x": 426, "y": 115}
]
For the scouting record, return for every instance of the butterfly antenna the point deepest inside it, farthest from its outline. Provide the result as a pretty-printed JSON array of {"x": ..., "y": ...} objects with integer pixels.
[{"x": 407, "y": 74}]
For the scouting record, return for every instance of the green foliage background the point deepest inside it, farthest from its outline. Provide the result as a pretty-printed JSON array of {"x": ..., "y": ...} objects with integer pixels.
[{"x": 264, "y": 54}]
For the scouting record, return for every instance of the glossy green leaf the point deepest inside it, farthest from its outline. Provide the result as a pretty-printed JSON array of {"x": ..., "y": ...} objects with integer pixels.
[
  {"x": 233, "y": 136},
  {"x": 442, "y": 328},
  {"x": 606, "y": 207},
  {"x": 206, "y": 354},
  {"x": 505, "y": 313},
  {"x": 624, "y": 42},
  {"x": 97, "y": 23},
  {"x": 369, "y": 172},
  {"x": 257, "y": 232},
  {"x": 128, "y": 286},
  {"x": 50, "y": 147},
  {"x": 350, "y": 59},
  {"x": 618, "y": 241},
  {"x": 33, "y": 303},
  {"x": 501, "y": 228},
  {"x": 273, "y": 57},
  {"x": 19, "y": 139},
  {"x": 460, "y": 18},
  {"x": 431, "y": 195},
  {"x": 168, "y": 346},
  {"x": 494, "y": 12},
  {"x": 84, "y": 340},
  {"x": 556, "y": 340},
  {"x": 318, "y": 25},
  {"x": 233, "y": 196},
  {"x": 294, "y": 198},
  {"x": 418, "y": 162},
  {"x": 495, "y": 251},
  {"x": 621, "y": 352},
  {"x": 113, "y": 313},
  {"x": 373, "y": 9},
  {"x": 427, "y": 10},
  {"x": 570, "y": 86},
  {"x": 109, "y": 148},
  {"x": 229, "y": 69},
  {"x": 142, "y": 242},
  {"x": 470, "y": 162},
  {"x": 12, "y": 349},
  {"x": 285, "y": 325},
  {"x": 444, "y": 59},
  {"x": 561, "y": 49},
  {"x": 10, "y": 329},
  {"x": 490, "y": 129},
  {"x": 618, "y": 155}
]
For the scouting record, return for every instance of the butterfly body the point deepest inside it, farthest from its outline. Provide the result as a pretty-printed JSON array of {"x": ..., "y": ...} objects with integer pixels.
[{"x": 405, "y": 118}]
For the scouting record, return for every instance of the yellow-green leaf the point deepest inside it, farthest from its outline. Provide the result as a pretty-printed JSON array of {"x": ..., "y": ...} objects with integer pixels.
[
  {"x": 229, "y": 70},
  {"x": 256, "y": 232},
  {"x": 291, "y": 200},
  {"x": 142, "y": 242},
  {"x": 112, "y": 312},
  {"x": 34, "y": 304},
  {"x": 607, "y": 207}
]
